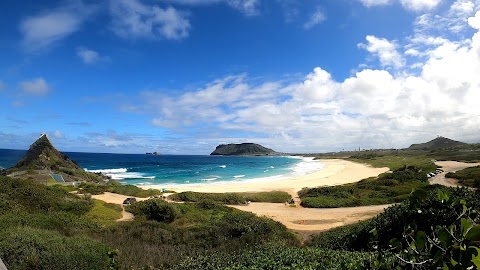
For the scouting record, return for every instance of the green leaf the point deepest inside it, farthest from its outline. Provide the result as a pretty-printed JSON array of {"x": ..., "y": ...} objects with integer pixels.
[
  {"x": 476, "y": 258},
  {"x": 395, "y": 244},
  {"x": 473, "y": 234},
  {"x": 444, "y": 237},
  {"x": 420, "y": 239},
  {"x": 466, "y": 226}
]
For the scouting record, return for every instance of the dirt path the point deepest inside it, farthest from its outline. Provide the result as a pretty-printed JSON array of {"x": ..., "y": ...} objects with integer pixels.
[
  {"x": 312, "y": 219},
  {"x": 449, "y": 166},
  {"x": 117, "y": 199}
]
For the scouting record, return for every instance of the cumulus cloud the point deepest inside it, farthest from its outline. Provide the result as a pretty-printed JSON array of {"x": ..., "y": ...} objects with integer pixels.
[
  {"x": 247, "y": 7},
  {"x": 45, "y": 29},
  {"x": 385, "y": 50},
  {"x": 371, "y": 3},
  {"x": 413, "y": 5},
  {"x": 133, "y": 19},
  {"x": 88, "y": 56},
  {"x": 420, "y": 5},
  {"x": 374, "y": 108},
  {"x": 36, "y": 86},
  {"x": 316, "y": 18}
]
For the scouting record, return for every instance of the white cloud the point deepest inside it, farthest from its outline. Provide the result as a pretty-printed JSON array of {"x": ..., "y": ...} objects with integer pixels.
[
  {"x": 88, "y": 56},
  {"x": 42, "y": 31},
  {"x": 133, "y": 19},
  {"x": 247, "y": 7},
  {"x": 36, "y": 86},
  {"x": 474, "y": 22},
  {"x": 374, "y": 108},
  {"x": 58, "y": 135},
  {"x": 420, "y": 5},
  {"x": 317, "y": 18},
  {"x": 371, "y": 3},
  {"x": 385, "y": 50}
]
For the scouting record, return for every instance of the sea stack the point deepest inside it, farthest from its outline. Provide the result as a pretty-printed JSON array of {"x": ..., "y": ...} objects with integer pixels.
[{"x": 243, "y": 149}]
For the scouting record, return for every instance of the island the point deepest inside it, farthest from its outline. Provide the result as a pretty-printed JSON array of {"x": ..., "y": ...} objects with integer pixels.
[{"x": 243, "y": 149}]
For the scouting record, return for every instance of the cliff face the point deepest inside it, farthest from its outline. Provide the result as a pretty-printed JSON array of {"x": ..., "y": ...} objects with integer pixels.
[
  {"x": 436, "y": 143},
  {"x": 244, "y": 149}
]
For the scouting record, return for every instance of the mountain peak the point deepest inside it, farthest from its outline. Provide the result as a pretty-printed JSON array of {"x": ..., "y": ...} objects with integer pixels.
[
  {"x": 43, "y": 155},
  {"x": 437, "y": 143}
]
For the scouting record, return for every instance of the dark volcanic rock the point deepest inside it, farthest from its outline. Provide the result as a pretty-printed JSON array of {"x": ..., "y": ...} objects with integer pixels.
[
  {"x": 244, "y": 149},
  {"x": 437, "y": 143}
]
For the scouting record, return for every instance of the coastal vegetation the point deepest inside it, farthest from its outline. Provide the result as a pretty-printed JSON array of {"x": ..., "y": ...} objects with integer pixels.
[
  {"x": 391, "y": 187},
  {"x": 48, "y": 226},
  {"x": 115, "y": 187},
  {"x": 469, "y": 177},
  {"x": 233, "y": 198}
]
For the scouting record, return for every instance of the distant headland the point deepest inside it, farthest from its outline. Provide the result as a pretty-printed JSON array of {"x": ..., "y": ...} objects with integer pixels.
[{"x": 243, "y": 149}]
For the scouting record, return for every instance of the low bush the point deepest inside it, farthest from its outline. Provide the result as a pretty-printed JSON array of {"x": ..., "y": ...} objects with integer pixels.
[
  {"x": 28, "y": 248},
  {"x": 233, "y": 198},
  {"x": 469, "y": 177},
  {"x": 393, "y": 221},
  {"x": 155, "y": 209}
]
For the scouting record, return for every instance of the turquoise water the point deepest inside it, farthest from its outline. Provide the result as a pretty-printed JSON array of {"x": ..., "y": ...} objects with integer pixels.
[{"x": 176, "y": 169}]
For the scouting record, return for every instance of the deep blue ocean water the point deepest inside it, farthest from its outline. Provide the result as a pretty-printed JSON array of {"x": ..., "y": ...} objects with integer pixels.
[{"x": 140, "y": 169}]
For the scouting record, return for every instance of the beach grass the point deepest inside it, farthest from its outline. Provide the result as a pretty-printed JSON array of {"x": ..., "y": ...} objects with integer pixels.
[
  {"x": 115, "y": 187},
  {"x": 469, "y": 177},
  {"x": 387, "y": 188},
  {"x": 104, "y": 213},
  {"x": 233, "y": 198}
]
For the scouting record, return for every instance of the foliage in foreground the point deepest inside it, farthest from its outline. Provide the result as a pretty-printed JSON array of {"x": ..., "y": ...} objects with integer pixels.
[
  {"x": 469, "y": 177},
  {"x": 452, "y": 246},
  {"x": 387, "y": 188},
  {"x": 44, "y": 228},
  {"x": 281, "y": 257},
  {"x": 233, "y": 197},
  {"x": 199, "y": 229}
]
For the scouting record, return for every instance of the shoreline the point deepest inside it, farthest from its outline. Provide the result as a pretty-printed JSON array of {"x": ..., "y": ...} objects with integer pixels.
[{"x": 334, "y": 172}]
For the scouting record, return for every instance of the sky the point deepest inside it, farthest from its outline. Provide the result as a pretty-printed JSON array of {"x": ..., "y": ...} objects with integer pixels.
[{"x": 182, "y": 76}]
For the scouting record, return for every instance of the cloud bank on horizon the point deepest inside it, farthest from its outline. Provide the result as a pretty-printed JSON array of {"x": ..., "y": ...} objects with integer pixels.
[{"x": 408, "y": 89}]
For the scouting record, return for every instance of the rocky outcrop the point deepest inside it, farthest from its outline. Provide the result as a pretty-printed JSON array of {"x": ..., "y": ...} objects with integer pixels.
[
  {"x": 43, "y": 159},
  {"x": 437, "y": 143},
  {"x": 243, "y": 149},
  {"x": 43, "y": 156}
]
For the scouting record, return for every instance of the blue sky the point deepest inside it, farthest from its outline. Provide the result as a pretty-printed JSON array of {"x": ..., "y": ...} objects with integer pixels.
[{"x": 182, "y": 76}]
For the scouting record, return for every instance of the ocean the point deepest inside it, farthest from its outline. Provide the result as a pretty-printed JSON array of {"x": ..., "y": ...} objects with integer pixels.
[{"x": 139, "y": 169}]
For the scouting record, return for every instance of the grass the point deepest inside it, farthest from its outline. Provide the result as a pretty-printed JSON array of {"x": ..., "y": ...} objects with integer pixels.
[
  {"x": 469, "y": 177},
  {"x": 388, "y": 188},
  {"x": 115, "y": 187},
  {"x": 234, "y": 197},
  {"x": 104, "y": 213}
]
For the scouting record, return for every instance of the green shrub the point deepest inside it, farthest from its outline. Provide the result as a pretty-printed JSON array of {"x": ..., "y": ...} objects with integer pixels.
[
  {"x": 392, "y": 222},
  {"x": 233, "y": 198},
  {"x": 155, "y": 209},
  {"x": 28, "y": 248},
  {"x": 281, "y": 257}
]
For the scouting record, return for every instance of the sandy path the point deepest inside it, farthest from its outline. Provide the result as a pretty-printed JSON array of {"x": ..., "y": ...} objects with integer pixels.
[
  {"x": 449, "y": 166},
  {"x": 117, "y": 199},
  {"x": 312, "y": 219}
]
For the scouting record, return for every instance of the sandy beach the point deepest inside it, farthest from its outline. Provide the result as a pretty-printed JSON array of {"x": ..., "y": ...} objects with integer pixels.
[{"x": 335, "y": 172}]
